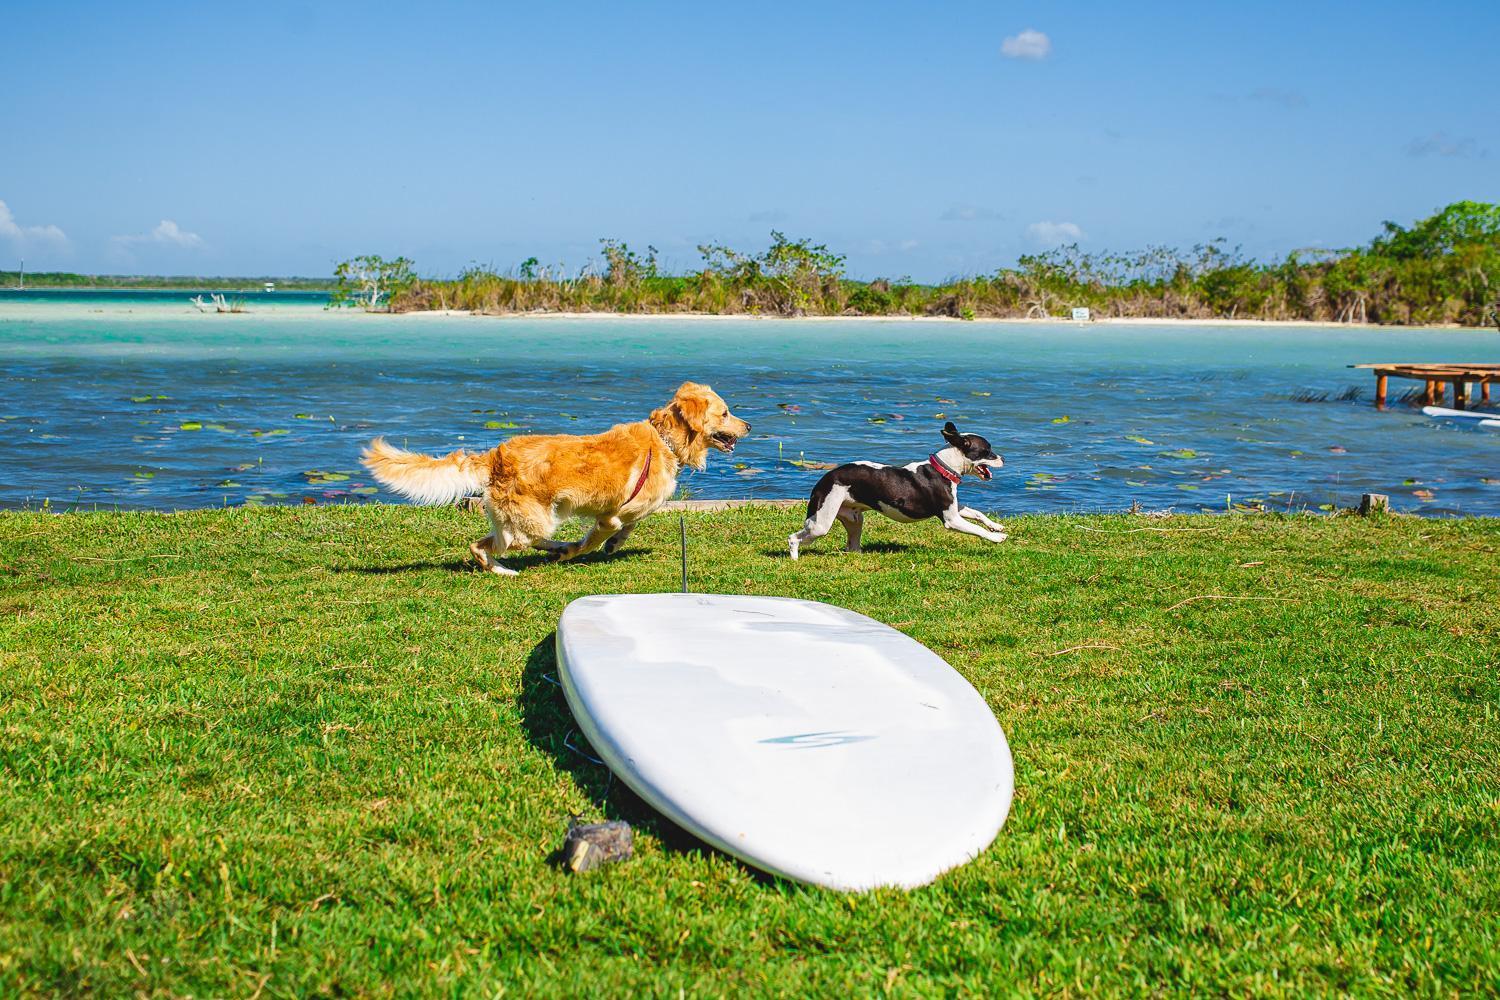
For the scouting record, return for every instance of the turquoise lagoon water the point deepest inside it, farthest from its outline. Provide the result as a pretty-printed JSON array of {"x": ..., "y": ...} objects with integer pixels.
[{"x": 137, "y": 401}]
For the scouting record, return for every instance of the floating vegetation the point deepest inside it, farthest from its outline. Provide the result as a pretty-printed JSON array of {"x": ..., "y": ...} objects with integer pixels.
[
  {"x": 279, "y": 431},
  {"x": 1424, "y": 495},
  {"x": 365, "y": 490},
  {"x": 302, "y": 416},
  {"x": 809, "y": 464},
  {"x": 1180, "y": 453},
  {"x": 1349, "y": 394},
  {"x": 498, "y": 425},
  {"x": 1138, "y": 439},
  {"x": 317, "y": 477},
  {"x": 1062, "y": 419},
  {"x": 1187, "y": 486},
  {"x": 218, "y": 427},
  {"x": 190, "y": 425}
]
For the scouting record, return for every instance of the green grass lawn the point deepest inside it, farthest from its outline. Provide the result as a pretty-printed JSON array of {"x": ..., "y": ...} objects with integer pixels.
[{"x": 298, "y": 751}]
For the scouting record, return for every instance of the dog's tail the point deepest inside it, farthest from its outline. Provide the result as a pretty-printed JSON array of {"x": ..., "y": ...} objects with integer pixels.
[{"x": 425, "y": 478}]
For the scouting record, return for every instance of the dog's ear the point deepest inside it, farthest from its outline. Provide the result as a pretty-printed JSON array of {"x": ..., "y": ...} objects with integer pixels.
[
  {"x": 691, "y": 405},
  {"x": 951, "y": 435}
]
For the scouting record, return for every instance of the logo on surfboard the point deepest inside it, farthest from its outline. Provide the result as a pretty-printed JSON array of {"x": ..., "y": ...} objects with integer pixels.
[{"x": 813, "y": 741}]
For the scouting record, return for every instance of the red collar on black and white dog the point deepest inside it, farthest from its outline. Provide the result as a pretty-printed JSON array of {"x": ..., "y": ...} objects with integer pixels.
[{"x": 943, "y": 470}]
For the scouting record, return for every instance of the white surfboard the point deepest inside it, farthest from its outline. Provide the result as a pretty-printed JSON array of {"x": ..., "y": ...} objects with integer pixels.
[
  {"x": 809, "y": 741},
  {"x": 1490, "y": 425},
  {"x": 1450, "y": 414}
]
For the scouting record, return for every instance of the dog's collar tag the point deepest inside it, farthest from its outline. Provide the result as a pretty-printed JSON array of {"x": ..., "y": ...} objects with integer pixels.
[
  {"x": 641, "y": 481},
  {"x": 943, "y": 470}
]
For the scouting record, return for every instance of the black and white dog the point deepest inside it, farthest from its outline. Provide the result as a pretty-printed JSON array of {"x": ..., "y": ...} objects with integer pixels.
[{"x": 906, "y": 493}]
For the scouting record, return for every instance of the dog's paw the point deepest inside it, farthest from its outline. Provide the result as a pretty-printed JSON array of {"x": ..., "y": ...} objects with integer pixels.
[
  {"x": 563, "y": 552},
  {"x": 998, "y": 536},
  {"x": 792, "y": 549}
]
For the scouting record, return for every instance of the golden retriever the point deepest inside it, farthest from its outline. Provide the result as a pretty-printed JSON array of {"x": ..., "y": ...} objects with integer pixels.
[{"x": 533, "y": 483}]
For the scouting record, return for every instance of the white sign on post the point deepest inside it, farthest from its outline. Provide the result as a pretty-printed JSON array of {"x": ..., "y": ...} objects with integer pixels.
[{"x": 1081, "y": 314}]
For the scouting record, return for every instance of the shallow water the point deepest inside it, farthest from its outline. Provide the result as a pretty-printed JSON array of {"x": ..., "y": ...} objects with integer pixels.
[{"x": 137, "y": 401}]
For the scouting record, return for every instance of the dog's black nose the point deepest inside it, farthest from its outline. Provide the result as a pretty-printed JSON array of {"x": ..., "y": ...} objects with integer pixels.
[{"x": 747, "y": 426}]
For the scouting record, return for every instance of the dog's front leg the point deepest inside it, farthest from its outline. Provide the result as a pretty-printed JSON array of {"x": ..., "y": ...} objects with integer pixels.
[
  {"x": 973, "y": 515},
  {"x": 954, "y": 522},
  {"x": 602, "y": 531}
]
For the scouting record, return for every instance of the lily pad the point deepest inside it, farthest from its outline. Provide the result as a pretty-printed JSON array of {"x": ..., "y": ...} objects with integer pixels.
[
  {"x": 365, "y": 490},
  {"x": 496, "y": 425},
  {"x": 190, "y": 425},
  {"x": 1062, "y": 419},
  {"x": 302, "y": 416},
  {"x": 1186, "y": 486},
  {"x": 1138, "y": 439},
  {"x": 1180, "y": 453}
]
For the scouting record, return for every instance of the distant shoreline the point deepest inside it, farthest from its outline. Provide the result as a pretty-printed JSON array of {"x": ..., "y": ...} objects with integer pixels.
[{"x": 268, "y": 307}]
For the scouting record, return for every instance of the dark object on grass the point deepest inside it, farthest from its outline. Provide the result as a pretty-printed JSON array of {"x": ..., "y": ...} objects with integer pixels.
[
  {"x": 590, "y": 845},
  {"x": 1374, "y": 503}
]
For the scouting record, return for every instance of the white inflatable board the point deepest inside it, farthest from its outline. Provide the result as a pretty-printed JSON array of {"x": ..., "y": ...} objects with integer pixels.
[
  {"x": 1490, "y": 425},
  {"x": 809, "y": 741},
  {"x": 1447, "y": 414}
]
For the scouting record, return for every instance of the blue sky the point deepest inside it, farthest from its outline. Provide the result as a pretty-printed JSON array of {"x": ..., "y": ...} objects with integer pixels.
[{"x": 922, "y": 140}]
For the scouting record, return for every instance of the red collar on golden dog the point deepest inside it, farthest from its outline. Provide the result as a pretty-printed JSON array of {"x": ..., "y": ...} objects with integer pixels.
[{"x": 641, "y": 481}]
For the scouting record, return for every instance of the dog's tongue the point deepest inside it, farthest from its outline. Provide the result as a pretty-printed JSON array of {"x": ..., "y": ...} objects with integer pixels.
[{"x": 984, "y": 472}]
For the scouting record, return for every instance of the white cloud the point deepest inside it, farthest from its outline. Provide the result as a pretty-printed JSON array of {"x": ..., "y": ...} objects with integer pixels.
[
  {"x": 1054, "y": 234},
  {"x": 167, "y": 233},
  {"x": 1029, "y": 44},
  {"x": 44, "y": 236},
  {"x": 1442, "y": 144}
]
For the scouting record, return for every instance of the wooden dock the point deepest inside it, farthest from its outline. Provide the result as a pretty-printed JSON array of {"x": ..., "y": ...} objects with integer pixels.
[{"x": 1438, "y": 378}]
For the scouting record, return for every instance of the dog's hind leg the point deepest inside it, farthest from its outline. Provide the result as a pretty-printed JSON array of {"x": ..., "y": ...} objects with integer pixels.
[
  {"x": 487, "y": 550},
  {"x": 819, "y": 520},
  {"x": 854, "y": 523}
]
